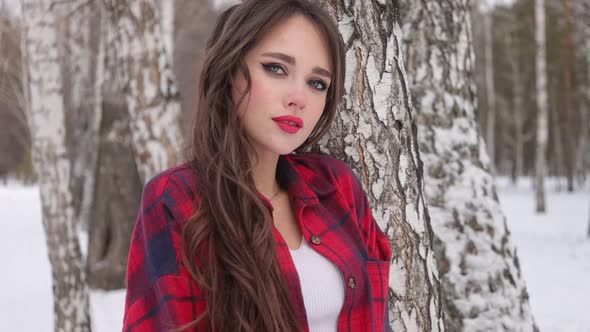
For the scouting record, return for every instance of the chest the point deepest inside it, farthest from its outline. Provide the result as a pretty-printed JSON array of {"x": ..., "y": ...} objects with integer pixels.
[{"x": 331, "y": 230}]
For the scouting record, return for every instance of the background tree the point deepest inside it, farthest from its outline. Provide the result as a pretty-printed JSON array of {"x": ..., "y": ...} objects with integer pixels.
[
  {"x": 150, "y": 89},
  {"x": 514, "y": 63},
  {"x": 193, "y": 22},
  {"x": 581, "y": 22},
  {"x": 483, "y": 288},
  {"x": 569, "y": 134},
  {"x": 515, "y": 116},
  {"x": 490, "y": 87},
  {"x": 15, "y": 138},
  {"x": 118, "y": 187},
  {"x": 541, "y": 97},
  {"x": 375, "y": 133},
  {"x": 78, "y": 44},
  {"x": 46, "y": 116}
]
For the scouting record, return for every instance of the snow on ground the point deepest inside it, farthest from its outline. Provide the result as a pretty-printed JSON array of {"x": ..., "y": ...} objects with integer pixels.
[
  {"x": 554, "y": 253},
  {"x": 25, "y": 280}
]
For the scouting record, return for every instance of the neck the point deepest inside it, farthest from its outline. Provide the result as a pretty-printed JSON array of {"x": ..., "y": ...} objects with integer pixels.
[{"x": 264, "y": 174}]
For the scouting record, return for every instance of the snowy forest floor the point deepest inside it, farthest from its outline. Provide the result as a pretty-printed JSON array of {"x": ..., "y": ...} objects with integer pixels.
[{"x": 554, "y": 253}]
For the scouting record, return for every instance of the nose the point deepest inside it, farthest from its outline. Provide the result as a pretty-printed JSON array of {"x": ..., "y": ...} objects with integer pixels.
[{"x": 296, "y": 97}]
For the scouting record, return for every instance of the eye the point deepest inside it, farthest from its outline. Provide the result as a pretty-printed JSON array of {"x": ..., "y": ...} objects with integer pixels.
[
  {"x": 318, "y": 85},
  {"x": 273, "y": 68}
]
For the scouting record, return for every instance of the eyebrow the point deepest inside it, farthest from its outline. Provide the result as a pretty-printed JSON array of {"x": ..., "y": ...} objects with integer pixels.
[{"x": 291, "y": 60}]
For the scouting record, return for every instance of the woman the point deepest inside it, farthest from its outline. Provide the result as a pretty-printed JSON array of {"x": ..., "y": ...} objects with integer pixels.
[{"x": 249, "y": 236}]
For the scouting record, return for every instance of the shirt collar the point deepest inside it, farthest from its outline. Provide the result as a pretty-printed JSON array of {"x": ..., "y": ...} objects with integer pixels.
[{"x": 302, "y": 177}]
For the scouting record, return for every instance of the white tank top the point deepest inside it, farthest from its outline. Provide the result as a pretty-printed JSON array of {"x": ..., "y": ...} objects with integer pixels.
[{"x": 322, "y": 286}]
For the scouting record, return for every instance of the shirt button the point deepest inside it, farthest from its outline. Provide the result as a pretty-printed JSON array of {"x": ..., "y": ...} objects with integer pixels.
[
  {"x": 316, "y": 240},
  {"x": 351, "y": 282}
]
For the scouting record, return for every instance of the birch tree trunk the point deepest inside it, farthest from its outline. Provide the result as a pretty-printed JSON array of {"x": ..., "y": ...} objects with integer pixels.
[
  {"x": 490, "y": 89},
  {"x": 82, "y": 75},
  {"x": 53, "y": 167},
  {"x": 483, "y": 289},
  {"x": 375, "y": 133},
  {"x": 152, "y": 97},
  {"x": 118, "y": 186},
  {"x": 541, "y": 87}
]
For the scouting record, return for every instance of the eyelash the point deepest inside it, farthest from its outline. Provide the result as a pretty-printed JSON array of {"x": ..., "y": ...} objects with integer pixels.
[{"x": 313, "y": 83}]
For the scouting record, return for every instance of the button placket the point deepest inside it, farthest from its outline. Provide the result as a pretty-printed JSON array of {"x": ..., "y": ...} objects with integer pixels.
[
  {"x": 315, "y": 240},
  {"x": 351, "y": 282}
]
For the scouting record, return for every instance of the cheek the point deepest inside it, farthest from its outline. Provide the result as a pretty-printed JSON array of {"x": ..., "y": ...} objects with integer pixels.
[
  {"x": 262, "y": 91},
  {"x": 237, "y": 92},
  {"x": 318, "y": 107},
  {"x": 259, "y": 98}
]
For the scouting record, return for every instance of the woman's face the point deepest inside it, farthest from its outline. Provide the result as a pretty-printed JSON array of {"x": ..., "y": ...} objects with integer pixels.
[{"x": 290, "y": 70}]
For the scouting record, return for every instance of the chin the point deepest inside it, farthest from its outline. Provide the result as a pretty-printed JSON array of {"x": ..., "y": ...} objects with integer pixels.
[
  {"x": 283, "y": 149},
  {"x": 279, "y": 145}
]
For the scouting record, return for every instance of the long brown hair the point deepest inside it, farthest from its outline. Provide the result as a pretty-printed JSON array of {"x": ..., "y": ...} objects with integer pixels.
[{"x": 228, "y": 245}]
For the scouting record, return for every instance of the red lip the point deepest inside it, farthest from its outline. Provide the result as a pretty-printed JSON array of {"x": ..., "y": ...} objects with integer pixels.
[{"x": 288, "y": 123}]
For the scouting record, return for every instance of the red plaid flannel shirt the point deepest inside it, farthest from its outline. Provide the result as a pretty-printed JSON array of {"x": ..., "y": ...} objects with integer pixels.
[{"x": 334, "y": 216}]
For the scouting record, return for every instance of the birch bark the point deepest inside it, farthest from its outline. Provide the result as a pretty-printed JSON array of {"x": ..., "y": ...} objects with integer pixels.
[
  {"x": 541, "y": 89},
  {"x": 82, "y": 75},
  {"x": 375, "y": 133},
  {"x": 490, "y": 89},
  {"x": 118, "y": 186},
  {"x": 53, "y": 166},
  {"x": 152, "y": 97},
  {"x": 483, "y": 289}
]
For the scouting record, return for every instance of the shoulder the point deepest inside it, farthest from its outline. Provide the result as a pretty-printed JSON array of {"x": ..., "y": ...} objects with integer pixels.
[
  {"x": 323, "y": 165},
  {"x": 174, "y": 188},
  {"x": 167, "y": 202},
  {"x": 325, "y": 168}
]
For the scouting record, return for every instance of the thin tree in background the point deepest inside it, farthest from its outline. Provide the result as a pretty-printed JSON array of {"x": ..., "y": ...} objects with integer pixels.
[
  {"x": 568, "y": 121},
  {"x": 375, "y": 133},
  {"x": 152, "y": 97},
  {"x": 541, "y": 97},
  {"x": 15, "y": 138},
  {"x": 581, "y": 20},
  {"x": 490, "y": 89},
  {"x": 46, "y": 120},
  {"x": 517, "y": 113},
  {"x": 584, "y": 148},
  {"x": 468, "y": 222}
]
